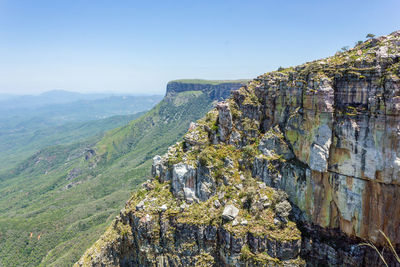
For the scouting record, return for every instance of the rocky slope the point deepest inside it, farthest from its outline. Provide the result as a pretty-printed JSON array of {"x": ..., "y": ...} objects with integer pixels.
[
  {"x": 69, "y": 194},
  {"x": 296, "y": 168}
]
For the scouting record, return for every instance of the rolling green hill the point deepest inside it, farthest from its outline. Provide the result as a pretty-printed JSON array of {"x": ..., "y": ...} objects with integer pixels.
[
  {"x": 29, "y": 123},
  {"x": 17, "y": 146},
  {"x": 59, "y": 201}
]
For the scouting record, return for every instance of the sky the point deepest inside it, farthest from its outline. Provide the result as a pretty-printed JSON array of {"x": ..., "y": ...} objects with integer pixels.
[{"x": 138, "y": 46}]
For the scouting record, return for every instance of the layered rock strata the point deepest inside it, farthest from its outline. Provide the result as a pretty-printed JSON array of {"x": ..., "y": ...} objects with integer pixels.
[
  {"x": 314, "y": 148},
  {"x": 215, "y": 89}
]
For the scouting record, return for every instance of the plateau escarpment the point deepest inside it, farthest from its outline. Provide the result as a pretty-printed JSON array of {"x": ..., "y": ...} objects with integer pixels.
[
  {"x": 216, "y": 89},
  {"x": 298, "y": 167}
]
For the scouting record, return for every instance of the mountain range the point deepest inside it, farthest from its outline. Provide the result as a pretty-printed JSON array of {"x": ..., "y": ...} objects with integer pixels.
[{"x": 28, "y": 123}]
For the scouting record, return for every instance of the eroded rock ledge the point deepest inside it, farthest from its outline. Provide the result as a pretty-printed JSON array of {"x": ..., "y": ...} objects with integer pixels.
[{"x": 312, "y": 148}]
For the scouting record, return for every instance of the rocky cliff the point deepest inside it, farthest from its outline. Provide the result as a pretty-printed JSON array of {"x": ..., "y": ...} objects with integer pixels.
[
  {"x": 298, "y": 167},
  {"x": 215, "y": 89}
]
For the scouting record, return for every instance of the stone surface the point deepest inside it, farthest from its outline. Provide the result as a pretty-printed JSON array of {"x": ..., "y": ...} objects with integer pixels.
[
  {"x": 217, "y": 204},
  {"x": 319, "y": 153},
  {"x": 163, "y": 208},
  {"x": 235, "y": 222},
  {"x": 282, "y": 210},
  {"x": 230, "y": 212},
  {"x": 183, "y": 180},
  {"x": 274, "y": 143},
  {"x": 140, "y": 206},
  {"x": 224, "y": 120},
  {"x": 216, "y": 91},
  {"x": 157, "y": 169}
]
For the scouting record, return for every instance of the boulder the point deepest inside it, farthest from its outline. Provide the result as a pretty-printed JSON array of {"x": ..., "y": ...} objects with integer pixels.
[
  {"x": 282, "y": 210},
  {"x": 189, "y": 195},
  {"x": 140, "y": 205},
  {"x": 224, "y": 121},
  {"x": 163, "y": 208},
  {"x": 230, "y": 213},
  {"x": 157, "y": 169}
]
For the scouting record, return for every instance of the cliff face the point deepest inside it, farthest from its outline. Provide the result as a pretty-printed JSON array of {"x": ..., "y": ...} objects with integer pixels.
[
  {"x": 215, "y": 89},
  {"x": 299, "y": 166}
]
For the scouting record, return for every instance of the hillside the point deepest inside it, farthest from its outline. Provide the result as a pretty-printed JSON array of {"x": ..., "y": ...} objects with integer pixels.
[
  {"x": 30, "y": 123},
  {"x": 60, "y": 200},
  {"x": 46, "y": 98},
  {"x": 298, "y": 167},
  {"x": 16, "y": 147}
]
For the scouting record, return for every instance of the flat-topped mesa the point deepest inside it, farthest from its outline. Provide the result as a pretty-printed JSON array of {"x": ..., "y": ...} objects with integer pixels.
[{"x": 218, "y": 89}]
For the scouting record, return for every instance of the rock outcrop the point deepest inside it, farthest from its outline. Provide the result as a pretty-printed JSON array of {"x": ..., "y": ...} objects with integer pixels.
[{"x": 299, "y": 166}]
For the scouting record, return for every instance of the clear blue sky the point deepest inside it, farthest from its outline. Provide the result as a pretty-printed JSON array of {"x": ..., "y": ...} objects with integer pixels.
[{"x": 138, "y": 46}]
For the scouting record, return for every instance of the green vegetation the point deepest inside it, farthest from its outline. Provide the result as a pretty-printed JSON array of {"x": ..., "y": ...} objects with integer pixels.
[
  {"x": 67, "y": 195},
  {"x": 214, "y": 157},
  {"x": 160, "y": 127},
  {"x": 259, "y": 258},
  {"x": 29, "y": 123},
  {"x": 20, "y": 145},
  {"x": 263, "y": 259},
  {"x": 370, "y": 35},
  {"x": 391, "y": 249},
  {"x": 260, "y": 222},
  {"x": 258, "y": 205},
  {"x": 345, "y": 48}
]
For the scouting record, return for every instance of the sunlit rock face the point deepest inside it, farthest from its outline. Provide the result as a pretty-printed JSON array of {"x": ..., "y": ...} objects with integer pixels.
[
  {"x": 298, "y": 167},
  {"x": 340, "y": 116}
]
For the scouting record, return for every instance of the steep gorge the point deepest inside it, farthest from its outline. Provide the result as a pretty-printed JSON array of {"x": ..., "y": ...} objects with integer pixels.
[{"x": 298, "y": 167}]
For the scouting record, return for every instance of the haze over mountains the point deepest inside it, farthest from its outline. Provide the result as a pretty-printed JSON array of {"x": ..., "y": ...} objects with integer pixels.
[
  {"x": 46, "y": 98},
  {"x": 63, "y": 102},
  {"x": 30, "y": 122}
]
